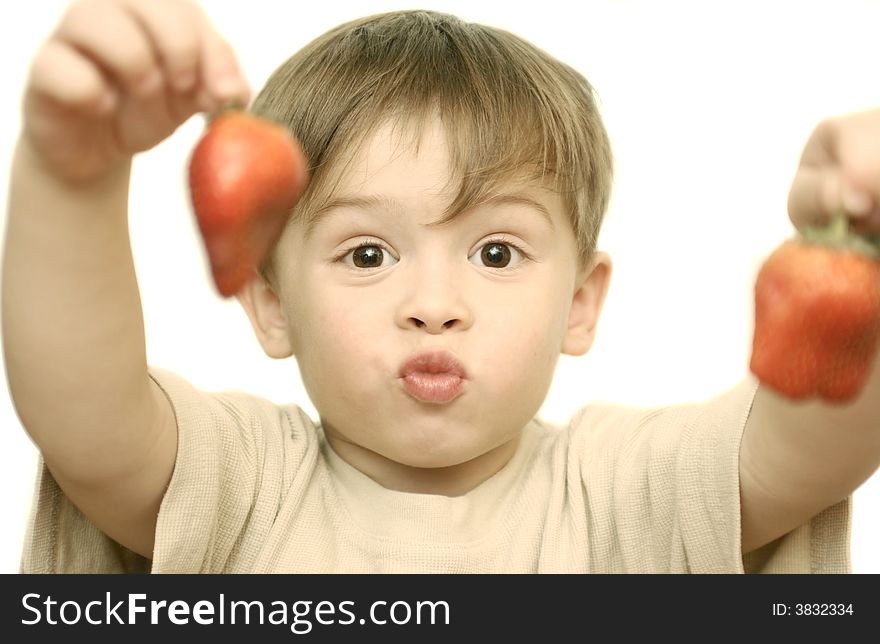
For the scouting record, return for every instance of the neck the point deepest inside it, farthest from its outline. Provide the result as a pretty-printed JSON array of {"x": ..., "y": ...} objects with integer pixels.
[{"x": 452, "y": 480}]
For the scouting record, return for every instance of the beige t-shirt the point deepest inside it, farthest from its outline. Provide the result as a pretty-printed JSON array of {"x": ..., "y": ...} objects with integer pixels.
[{"x": 256, "y": 488}]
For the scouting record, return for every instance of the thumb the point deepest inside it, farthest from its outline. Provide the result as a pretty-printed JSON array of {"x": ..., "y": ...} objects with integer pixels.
[{"x": 818, "y": 193}]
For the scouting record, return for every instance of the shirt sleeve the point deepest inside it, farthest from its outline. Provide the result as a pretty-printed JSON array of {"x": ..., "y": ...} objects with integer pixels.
[
  {"x": 664, "y": 487},
  {"x": 236, "y": 454}
]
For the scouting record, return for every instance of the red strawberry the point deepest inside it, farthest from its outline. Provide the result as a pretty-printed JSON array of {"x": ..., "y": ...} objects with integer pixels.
[
  {"x": 817, "y": 316},
  {"x": 245, "y": 175}
]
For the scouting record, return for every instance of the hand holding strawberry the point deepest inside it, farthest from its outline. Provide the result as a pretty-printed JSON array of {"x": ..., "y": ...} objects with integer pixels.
[
  {"x": 817, "y": 315},
  {"x": 118, "y": 77},
  {"x": 245, "y": 175},
  {"x": 817, "y": 297}
]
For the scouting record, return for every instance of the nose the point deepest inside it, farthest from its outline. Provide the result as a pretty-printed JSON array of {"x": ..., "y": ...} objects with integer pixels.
[{"x": 434, "y": 301}]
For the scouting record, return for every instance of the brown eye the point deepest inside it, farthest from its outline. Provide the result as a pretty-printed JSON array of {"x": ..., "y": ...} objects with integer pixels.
[
  {"x": 495, "y": 255},
  {"x": 369, "y": 256}
]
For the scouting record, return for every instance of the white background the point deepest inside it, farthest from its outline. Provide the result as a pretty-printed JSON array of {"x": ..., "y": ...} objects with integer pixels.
[{"x": 708, "y": 107}]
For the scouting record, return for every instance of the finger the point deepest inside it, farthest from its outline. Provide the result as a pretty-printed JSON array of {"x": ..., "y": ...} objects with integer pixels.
[
  {"x": 66, "y": 77},
  {"x": 174, "y": 35},
  {"x": 223, "y": 80},
  {"x": 182, "y": 105},
  {"x": 818, "y": 194},
  {"x": 107, "y": 34},
  {"x": 861, "y": 207},
  {"x": 815, "y": 196}
]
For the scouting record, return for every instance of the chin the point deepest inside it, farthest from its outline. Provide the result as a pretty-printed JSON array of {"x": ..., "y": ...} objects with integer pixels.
[
  {"x": 431, "y": 461},
  {"x": 434, "y": 454}
]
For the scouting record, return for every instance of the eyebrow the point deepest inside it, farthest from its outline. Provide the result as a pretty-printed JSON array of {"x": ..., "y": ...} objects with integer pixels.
[
  {"x": 371, "y": 202},
  {"x": 518, "y": 199},
  {"x": 386, "y": 204}
]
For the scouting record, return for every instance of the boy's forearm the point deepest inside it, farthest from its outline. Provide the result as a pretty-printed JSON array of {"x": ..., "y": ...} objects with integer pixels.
[
  {"x": 799, "y": 458},
  {"x": 73, "y": 330}
]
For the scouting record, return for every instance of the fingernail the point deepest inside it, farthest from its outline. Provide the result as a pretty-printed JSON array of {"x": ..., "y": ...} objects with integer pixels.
[{"x": 855, "y": 201}]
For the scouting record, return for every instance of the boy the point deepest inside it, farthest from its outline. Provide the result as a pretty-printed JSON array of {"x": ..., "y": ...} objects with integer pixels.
[{"x": 442, "y": 258}]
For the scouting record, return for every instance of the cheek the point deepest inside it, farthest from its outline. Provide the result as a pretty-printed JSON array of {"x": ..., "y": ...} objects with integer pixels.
[
  {"x": 522, "y": 341},
  {"x": 335, "y": 332},
  {"x": 536, "y": 313},
  {"x": 528, "y": 353}
]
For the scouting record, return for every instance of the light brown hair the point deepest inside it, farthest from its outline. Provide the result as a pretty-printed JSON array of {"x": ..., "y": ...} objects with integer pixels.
[{"x": 506, "y": 107}]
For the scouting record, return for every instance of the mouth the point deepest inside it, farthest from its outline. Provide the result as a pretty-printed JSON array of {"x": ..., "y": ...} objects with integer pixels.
[{"x": 433, "y": 376}]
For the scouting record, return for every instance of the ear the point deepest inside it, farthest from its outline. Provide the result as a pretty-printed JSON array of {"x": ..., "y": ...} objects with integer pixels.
[
  {"x": 264, "y": 310},
  {"x": 586, "y": 305}
]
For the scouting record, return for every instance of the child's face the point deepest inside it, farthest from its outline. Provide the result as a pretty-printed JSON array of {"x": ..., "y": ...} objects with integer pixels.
[{"x": 498, "y": 287}]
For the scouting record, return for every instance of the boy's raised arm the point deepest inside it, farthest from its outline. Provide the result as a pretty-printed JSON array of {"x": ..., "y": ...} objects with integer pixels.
[
  {"x": 114, "y": 79},
  {"x": 798, "y": 458}
]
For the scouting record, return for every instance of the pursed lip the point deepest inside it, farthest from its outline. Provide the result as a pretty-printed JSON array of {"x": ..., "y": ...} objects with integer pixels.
[
  {"x": 433, "y": 376},
  {"x": 433, "y": 361}
]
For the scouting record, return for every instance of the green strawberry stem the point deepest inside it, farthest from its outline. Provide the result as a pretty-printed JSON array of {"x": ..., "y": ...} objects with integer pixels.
[
  {"x": 838, "y": 235},
  {"x": 226, "y": 107}
]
